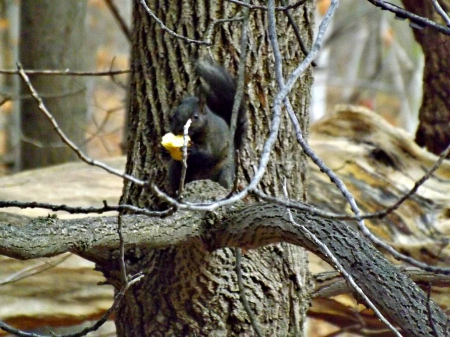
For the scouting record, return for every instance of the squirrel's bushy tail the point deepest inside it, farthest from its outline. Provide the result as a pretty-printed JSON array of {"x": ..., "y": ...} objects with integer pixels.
[{"x": 219, "y": 89}]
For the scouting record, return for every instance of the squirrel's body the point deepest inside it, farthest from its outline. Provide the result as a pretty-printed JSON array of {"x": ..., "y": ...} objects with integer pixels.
[{"x": 209, "y": 154}]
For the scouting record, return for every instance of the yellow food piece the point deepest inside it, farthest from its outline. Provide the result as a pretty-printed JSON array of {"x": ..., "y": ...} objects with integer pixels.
[{"x": 173, "y": 144}]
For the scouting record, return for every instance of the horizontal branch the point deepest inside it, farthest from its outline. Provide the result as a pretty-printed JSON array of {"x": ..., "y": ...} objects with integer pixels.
[
  {"x": 250, "y": 226},
  {"x": 87, "y": 237},
  {"x": 331, "y": 283}
]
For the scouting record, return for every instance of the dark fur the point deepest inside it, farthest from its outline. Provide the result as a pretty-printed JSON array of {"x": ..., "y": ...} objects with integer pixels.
[{"x": 209, "y": 153}]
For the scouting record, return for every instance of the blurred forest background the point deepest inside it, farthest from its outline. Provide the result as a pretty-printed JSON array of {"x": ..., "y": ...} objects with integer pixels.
[{"x": 369, "y": 59}]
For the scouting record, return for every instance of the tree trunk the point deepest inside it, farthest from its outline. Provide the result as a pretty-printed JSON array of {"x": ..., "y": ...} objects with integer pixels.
[
  {"x": 52, "y": 37},
  {"x": 433, "y": 131},
  {"x": 187, "y": 290}
]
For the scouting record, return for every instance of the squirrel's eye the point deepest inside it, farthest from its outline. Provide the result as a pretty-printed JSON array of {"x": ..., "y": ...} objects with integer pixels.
[{"x": 195, "y": 116}]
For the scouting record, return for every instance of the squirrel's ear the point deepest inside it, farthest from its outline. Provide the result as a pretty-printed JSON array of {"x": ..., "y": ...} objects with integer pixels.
[{"x": 202, "y": 104}]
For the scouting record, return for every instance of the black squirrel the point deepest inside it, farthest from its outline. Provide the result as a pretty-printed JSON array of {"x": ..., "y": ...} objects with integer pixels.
[{"x": 209, "y": 155}]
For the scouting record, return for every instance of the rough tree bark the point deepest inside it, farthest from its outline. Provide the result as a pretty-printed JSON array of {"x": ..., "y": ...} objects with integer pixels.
[
  {"x": 433, "y": 131},
  {"x": 187, "y": 291},
  {"x": 52, "y": 37}
]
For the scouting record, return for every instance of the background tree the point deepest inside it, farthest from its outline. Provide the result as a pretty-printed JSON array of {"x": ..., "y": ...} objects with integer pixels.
[
  {"x": 53, "y": 37},
  {"x": 434, "y": 115}
]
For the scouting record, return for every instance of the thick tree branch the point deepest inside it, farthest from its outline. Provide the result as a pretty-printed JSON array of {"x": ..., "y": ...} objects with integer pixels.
[
  {"x": 248, "y": 227},
  {"x": 88, "y": 237}
]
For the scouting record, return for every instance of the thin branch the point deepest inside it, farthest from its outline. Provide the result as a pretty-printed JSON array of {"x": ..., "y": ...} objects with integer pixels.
[
  {"x": 184, "y": 166},
  {"x": 240, "y": 78},
  {"x": 5, "y": 100},
  {"x": 412, "y": 191},
  {"x": 354, "y": 207},
  {"x": 35, "y": 269},
  {"x": 81, "y": 210},
  {"x": 66, "y": 139},
  {"x": 210, "y": 30},
  {"x": 296, "y": 31},
  {"x": 331, "y": 283},
  {"x": 415, "y": 19},
  {"x": 430, "y": 313},
  {"x": 339, "y": 183},
  {"x": 115, "y": 12},
  {"x": 125, "y": 285},
  {"x": 167, "y": 30},
  {"x": 66, "y": 72},
  {"x": 344, "y": 273},
  {"x": 123, "y": 268},
  {"x": 83, "y": 332},
  {"x": 267, "y": 149},
  {"x": 342, "y": 216},
  {"x": 242, "y": 295},
  {"x": 338, "y": 266},
  {"x": 441, "y": 12}
]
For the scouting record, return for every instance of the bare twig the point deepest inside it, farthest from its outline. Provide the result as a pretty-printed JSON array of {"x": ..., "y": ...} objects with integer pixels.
[
  {"x": 66, "y": 139},
  {"x": 81, "y": 210},
  {"x": 412, "y": 191},
  {"x": 115, "y": 12},
  {"x": 430, "y": 313},
  {"x": 242, "y": 295},
  {"x": 85, "y": 331},
  {"x": 338, "y": 266},
  {"x": 167, "y": 30},
  {"x": 66, "y": 72},
  {"x": 123, "y": 268},
  {"x": 5, "y": 100},
  {"x": 341, "y": 216},
  {"x": 296, "y": 31},
  {"x": 441, "y": 12},
  {"x": 35, "y": 269},
  {"x": 341, "y": 186},
  {"x": 240, "y": 79},
  {"x": 415, "y": 19},
  {"x": 355, "y": 209},
  {"x": 331, "y": 283},
  {"x": 184, "y": 166},
  {"x": 212, "y": 25}
]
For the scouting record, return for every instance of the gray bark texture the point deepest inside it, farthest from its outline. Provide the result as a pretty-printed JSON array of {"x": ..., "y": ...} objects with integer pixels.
[{"x": 52, "y": 36}]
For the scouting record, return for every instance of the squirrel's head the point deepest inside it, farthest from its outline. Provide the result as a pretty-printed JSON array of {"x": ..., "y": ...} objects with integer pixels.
[{"x": 190, "y": 107}]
